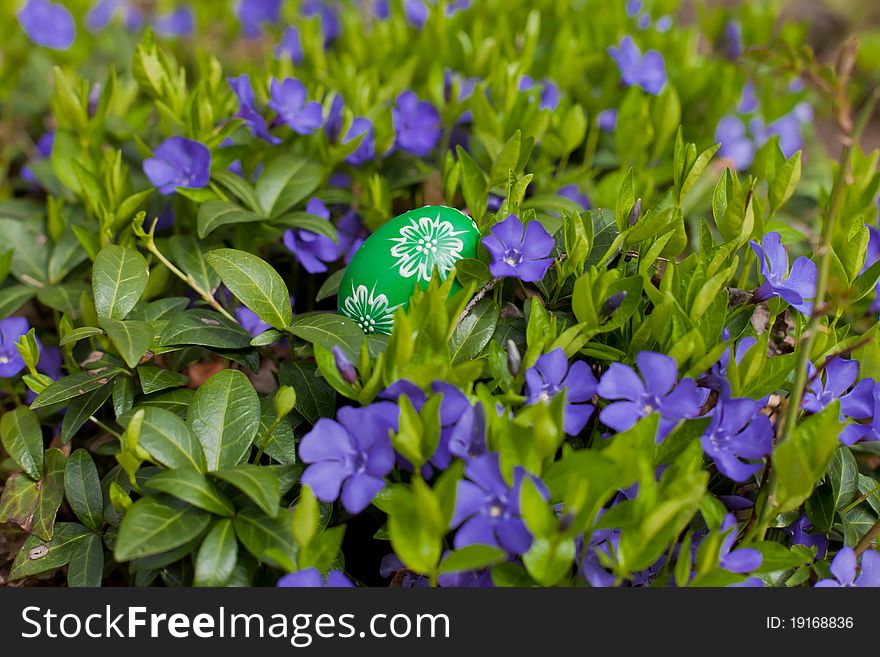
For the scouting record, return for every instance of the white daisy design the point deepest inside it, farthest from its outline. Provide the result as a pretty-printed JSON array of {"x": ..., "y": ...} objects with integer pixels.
[
  {"x": 426, "y": 242},
  {"x": 369, "y": 310}
]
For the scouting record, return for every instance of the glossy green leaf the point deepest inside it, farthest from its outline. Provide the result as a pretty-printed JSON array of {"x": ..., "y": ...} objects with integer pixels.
[
  {"x": 82, "y": 487},
  {"x": 255, "y": 282},
  {"x": 150, "y": 527},
  {"x": 217, "y": 555},
  {"x": 22, "y": 439},
  {"x": 258, "y": 483},
  {"x": 119, "y": 278},
  {"x": 193, "y": 487}
]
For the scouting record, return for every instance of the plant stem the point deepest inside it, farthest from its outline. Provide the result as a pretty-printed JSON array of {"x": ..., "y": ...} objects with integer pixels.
[
  {"x": 483, "y": 291},
  {"x": 868, "y": 538},
  {"x": 105, "y": 427}
]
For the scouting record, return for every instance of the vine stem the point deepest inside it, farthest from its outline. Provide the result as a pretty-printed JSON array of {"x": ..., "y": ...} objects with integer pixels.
[
  {"x": 868, "y": 538},
  {"x": 477, "y": 298}
]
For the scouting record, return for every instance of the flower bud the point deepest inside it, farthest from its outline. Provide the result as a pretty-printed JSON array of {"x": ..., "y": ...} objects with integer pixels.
[
  {"x": 612, "y": 304},
  {"x": 285, "y": 400},
  {"x": 345, "y": 366},
  {"x": 514, "y": 359}
]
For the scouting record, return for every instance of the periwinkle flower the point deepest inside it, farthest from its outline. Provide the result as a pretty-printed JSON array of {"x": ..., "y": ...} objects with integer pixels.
[
  {"x": 351, "y": 233},
  {"x": 716, "y": 378},
  {"x": 464, "y": 84},
  {"x": 736, "y": 146},
  {"x": 748, "y": 101},
  {"x": 351, "y": 454},
  {"x": 101, "y": 13},
  {"x": 366, "y": 149},
  {"x": 179, "y": 23},
  {"x": 44, "y": 145},
  {"x": 549, "y": 92},
  {"x": 647, "y": 71},
  {"x": 487, "y": 508},
  {"x": 574, "y": 193},
  {"x": 737, "y": 432},
  {"x": 417, "y": 124},
  {"x": 845, "y": 565},
  {"x": 663, "y": 24},
  {"x": 633, "y": 7},
  {"x": 734, "y": 40},
  {"x": 840, "y": 374},
  {"x": 607, "y": 120},
  {"x": 519, "y": 251},
  {"x": 863, "y": 402},
  {"x": 311, "y": 578},
  {"x": 787, "y": 128},
  {"x": 330, "y": 25},
  {"x": 250, "y": 321},
  {"x": 253, "y": 13},
  {"x": 743, "y": 560},
  {"x": 797, "y": 287},
  {"x": 289, "y": 98},
  {"x": 333, "y": 124},
  {"x": 290, "y": 46},
  {"x": 800, "y": 536},
  {"x": 416, "y": 12},
  {"x": 634, "y": 398},
  {"x": 312, "y": 250},
  {"x": 344, "y": 366},
  {"x": 48, "y": 24},
  {"x": 247, "y": 111},
  {"x": 178, "y": 162},
  {"x": 11, "y": 329},
  {"x": 551, "y": 375}
]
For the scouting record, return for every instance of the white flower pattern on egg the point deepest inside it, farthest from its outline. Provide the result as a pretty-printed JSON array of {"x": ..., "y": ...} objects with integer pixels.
[{"x": 426, "y": 242}]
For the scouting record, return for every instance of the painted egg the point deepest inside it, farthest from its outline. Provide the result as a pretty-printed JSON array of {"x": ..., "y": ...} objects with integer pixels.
[{"x": 385, "y": 270}]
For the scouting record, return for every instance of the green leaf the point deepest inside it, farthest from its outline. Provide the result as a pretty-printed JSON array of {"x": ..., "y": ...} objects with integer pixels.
[
  {"x": 206, "y": 328},
  {"x": 19, "y": 501},
  {"x": 314, "y": 396},
  {"x": 474, "y": 185},
  {"x": 150, "y": 527},
  {"x": 51, "y": 495},
  {"x": 213, "y": 214},
  {"x": 258, "y": 483},
  {"x": 697, "y": 170},
  {"x": 154, "y": 379},
  {"x": 309, "y": 222},
  {"x": 37, "y": 556},
  {"x": 286, "y": 181},
  {"x": 785, "y": 182},
  {"x": 13, "y": 297},
  {"x": 131, "y": 338},
  {"x": 193, "y": 487},
  {"x": 330, "y": 286},
  {"x": 820, "y": 508},
  {"x": 169, "y": 440},
  {"x": 412, "y": 536},
  {"x": 78, "y": 334},
  {"x": 187, "y": 253},
  {"x": 604, "y": 233},
  {"x": 626, "y": 199},
  {"x": 86, "y": 568},
  {"x": 217, "y": 555},
  {"x": 22, "y": 439},
  {"x": 778, "y": 557},
  {"x": 82, "y": 486},
  {"x": 329, "y": 330},
  {"x": 549, "y": 561},
  {"x": 843, "y": 475},
  {"x": 75, "y": 385},
  {"x": 270, "y": 540},
  {"x": 470, "y": 558},
  {"x": 225, "y": 416},
  {"x": 255, "y": 283},
  {"x": 474, "y": 332},
  {"x": 119, "y": 278}
]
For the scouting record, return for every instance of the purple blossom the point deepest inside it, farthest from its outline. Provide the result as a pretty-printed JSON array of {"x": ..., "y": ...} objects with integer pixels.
[
  {"x": 634, "y": 399},
  {"x": 344, "y": 366},
  {"x": 737, "y": 432},
  {"x": 844, "y": 566},
  {"x": 663, "y": 24},
  {"x": 11, "y": 329},
  {"x": 748, "y": 101},
  {"x": 744, "y": 560},
  {"x": 134, "y": 18},
  {"x": 573, "y": 193},
  {"x": 464, "y": 84},
  {"x": 716, "y": 377},
  {"x": 800, "y": 536},
  {"x": 607, "y": 120},
  {"x": 290, "y": 46},
  {"x": 735, "y": 144},
  {"x": 381, "y": 9},
  {"x": 352, "y": 233},
  {"x": 333, "y": 124},
  {"x": 647, "y": 71},
  {"x": 101, "y": 13},
  {"x": 391, "y": 565},
  {"x": 552, "y": 375},
  {"x": 330, "y": 25},
  {"x": 840, "y": 374},
  {"x": 179, "y": 23},
  {"x": 313, "y": 250},
  {"x": 417, "y": 124},
  {"x": 48, "y": 24},
  {"x": 366, "y": 149},
  {"x": 250, "y": 322},
  {"x": 416, "y": 12},
  {"x": 288, "y": 98},
  {"x": 244, "y": 90},
  {"x": 733, "y": 37},
  {"x": 796, "y": 287},
  {"x": 44, "y": 150},
  {"x": 352, "y": 453},
  {"x": 643, "y": 22},
  {"x": 253, "y": 13},
  {"x": 487, "y": 508},
  {"x": 178, "y": 162},
  {"x": 633, "y": 7},
  {"x": 549, "y": 92},
  {"x": 519, "y": 252},
  {"x": 862, "y": 402},
  {"x": 787, "y": 128},
  {"x": 311, "y": 578}
]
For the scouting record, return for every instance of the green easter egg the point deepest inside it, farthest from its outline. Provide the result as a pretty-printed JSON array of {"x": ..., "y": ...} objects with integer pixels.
[{"x": 385, "y": 270}]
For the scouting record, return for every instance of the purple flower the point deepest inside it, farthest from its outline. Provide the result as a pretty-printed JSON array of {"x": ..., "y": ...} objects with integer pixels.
[
  {"x": 313, "y": 250},
  {"x": 290, "y": 46},
  {"x": 352, "y": 453},
  {"x": 253, "y": 13},
  {"x": 607, "y": 120},
  {"x": 381, "y": 9},
  {"x": 737, "y": 432},
  {"x": 48, "y": 24},
  {"x": 178, "y": 162},
  {"x": 366, "y": 149},
  {"x": 333, "y": 124},
  {"x": 44, "y": 149},
  {"x": 487, "y": 509},
  {"x": 663, "y": 24},
  {"x": 844, "y": 565},
  {"x": 11, "y": 329},
  {"x": 748, "y": 102},
  {"x": 716, "y": 377},
  {"x": 352, "y": 233},
  {"x": 549, "y": 92},
  {"x": 179, "y": 23},
  {"x": 862, "y": 402},
  {"x": 573, "y": 193},
  {"x": 288, "y": 98},
  {"x": 344, "y": 366},
  {"x": 744, "y": 560},
  {"x": 800, "y": 536},
  {"x": 647, "y": 71},
  {"x": 134, "y": 18},
  {"x": 657, "y": 394},
  {"x": 733, "y": 36},
  {"x": 519, "y": 252},
  {"x": 465, "y": 86},
  {"x": 795, "y": 287},
  {"x": 840, "y": 374},
  {"x": 311, "y": 578},
  {"x": 330, "y": 25},
  {"x": 417, "y": 124},
  {"x": 244, "y": 90},
  {"x": 735, "y": 144},
  {"x": 551, "y": 375},
  {"x": 633, "y": 7},
  {"x": 250, "y": 322},
  {"x": 101, "y": 14},
  {"x": 416, "y": 12},
  {"x": 787, "y": 128},
  {"x": 392, "y": 565}
]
